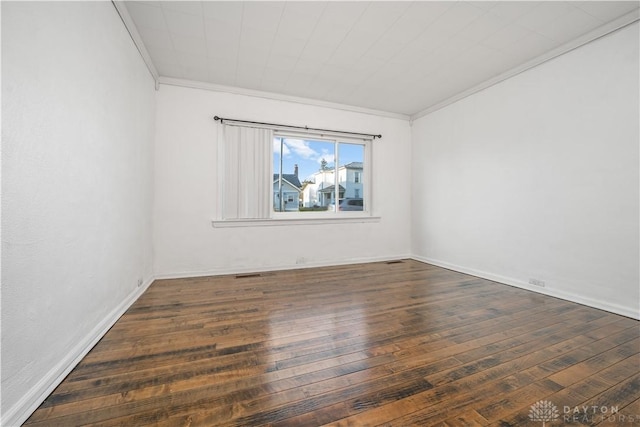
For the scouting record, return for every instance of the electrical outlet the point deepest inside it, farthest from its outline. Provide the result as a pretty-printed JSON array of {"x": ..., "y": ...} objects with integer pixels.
[
  {"x": 139, "y": 282},
  {"x": 536, "y": 282}
]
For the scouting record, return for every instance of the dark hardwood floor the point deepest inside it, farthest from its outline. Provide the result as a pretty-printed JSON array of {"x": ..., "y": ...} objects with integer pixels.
[{"x": 393, "y": 344}]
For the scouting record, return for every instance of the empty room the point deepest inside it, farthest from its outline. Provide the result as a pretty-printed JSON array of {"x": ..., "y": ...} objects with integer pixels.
[{"x": 305, "y": 213}]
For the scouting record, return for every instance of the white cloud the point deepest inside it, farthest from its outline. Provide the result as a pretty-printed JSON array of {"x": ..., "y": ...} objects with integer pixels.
[
  {"x": 300, "y": 148},
  {"x": 276, "y": 148},
  {"x": 329, "y": 157}
]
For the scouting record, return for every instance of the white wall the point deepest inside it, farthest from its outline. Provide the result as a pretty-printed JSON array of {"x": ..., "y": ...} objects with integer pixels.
[
  {"x": 78, "y": 106},
  {"x": 185, "y": 243},
  {"x": 537, "y": 177}
]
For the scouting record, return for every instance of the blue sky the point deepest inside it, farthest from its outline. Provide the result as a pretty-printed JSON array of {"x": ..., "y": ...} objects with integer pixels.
[{"x": 308, "y": 154}]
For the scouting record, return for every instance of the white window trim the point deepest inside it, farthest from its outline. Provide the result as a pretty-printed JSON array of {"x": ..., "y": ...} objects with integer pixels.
[
  {"x": 273, "y": 222},
  {"x": 333, "y": 215}
]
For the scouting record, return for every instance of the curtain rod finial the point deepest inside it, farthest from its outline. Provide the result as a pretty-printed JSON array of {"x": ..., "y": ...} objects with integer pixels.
[{"x": 216, "y": 118}]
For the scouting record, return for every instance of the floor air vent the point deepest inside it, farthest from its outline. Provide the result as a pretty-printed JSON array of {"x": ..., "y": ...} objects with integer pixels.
[
  {"x": 398, "y": 261},
  {"x": 245, "y": 276}
]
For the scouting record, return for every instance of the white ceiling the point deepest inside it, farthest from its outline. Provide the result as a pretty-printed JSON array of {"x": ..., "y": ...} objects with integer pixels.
[{"x": 394, "y": 56}]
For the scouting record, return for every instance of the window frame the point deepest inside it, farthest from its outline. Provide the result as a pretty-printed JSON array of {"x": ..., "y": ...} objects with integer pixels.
[
  {"x": 367, "y": 215},
  {"x": 365, "y": 178}
]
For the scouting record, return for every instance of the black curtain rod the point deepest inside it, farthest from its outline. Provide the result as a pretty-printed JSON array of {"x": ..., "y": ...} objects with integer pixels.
[{"x": 222, "y": 119}]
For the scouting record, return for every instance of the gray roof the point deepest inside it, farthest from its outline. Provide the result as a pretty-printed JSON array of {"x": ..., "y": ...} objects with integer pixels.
[
  {"x": 330, "y": 188},
  {"x": 289, "y": 177},
  {"x": 354, "y": 165}
]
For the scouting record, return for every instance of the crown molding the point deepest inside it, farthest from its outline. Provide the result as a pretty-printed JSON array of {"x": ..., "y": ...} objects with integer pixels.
[
  {"x": 137, "y": 39},
  {"x": 171, "y": 81},
  {"x": 586, "y": 38}
]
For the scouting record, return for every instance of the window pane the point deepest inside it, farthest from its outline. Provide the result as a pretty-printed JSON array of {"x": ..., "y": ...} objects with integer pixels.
[
  {"x": 307, "y": 181},
  {"x": 350, "y": 176}
]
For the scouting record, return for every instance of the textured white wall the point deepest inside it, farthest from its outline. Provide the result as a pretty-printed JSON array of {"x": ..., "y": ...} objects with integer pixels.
[
  {"x": 185, "y": 243},
  {"x": 78, "y": 106},
  {"x": 537, "y": 177}
]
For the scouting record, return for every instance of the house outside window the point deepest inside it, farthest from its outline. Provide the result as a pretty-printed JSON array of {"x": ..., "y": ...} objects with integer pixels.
[
  {"x": 322, "y": 169},
  {"x": 287, "y": 191}
]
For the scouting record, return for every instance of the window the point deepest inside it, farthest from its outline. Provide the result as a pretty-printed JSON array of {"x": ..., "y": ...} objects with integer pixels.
[
  {"x": 325, "y": 174},
  {"x": 269, "y": 177}
]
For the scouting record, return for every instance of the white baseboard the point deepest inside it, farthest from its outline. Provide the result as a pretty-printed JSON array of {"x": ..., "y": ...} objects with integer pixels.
[
  {"x": 568, "y": 296},
  {"x": 255, "y": 269},
  {"x": 22, "y": 410}
]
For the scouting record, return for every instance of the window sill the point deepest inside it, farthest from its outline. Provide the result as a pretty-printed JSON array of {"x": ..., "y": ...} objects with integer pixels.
[{"x": 273, "y": 222}]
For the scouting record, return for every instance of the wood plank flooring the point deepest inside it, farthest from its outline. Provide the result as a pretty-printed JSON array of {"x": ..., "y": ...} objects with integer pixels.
[{"x": 394, "y": 344}]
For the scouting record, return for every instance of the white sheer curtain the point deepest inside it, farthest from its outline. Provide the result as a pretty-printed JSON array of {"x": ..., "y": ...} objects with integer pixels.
[{"x": 247, "y": 180}]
